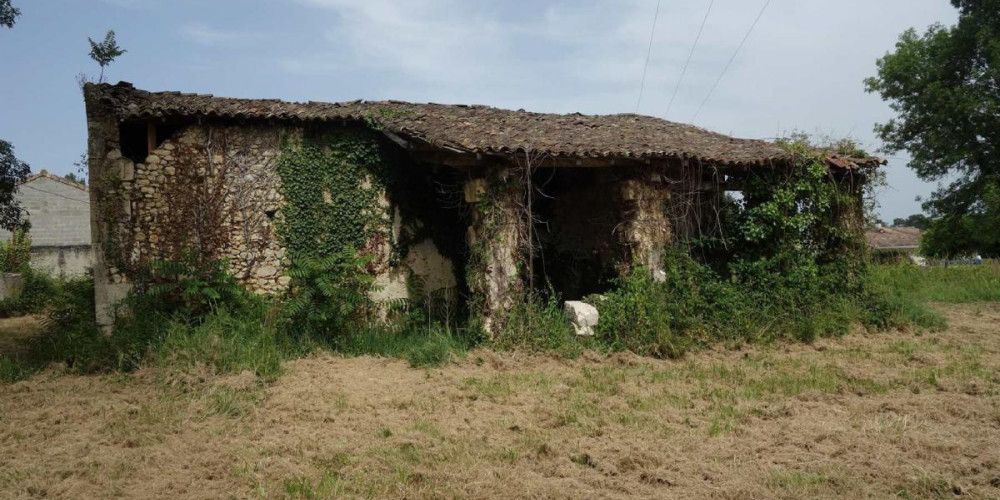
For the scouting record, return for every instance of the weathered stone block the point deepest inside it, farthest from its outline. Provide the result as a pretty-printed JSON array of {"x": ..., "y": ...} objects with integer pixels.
[
  {"x": 582, "y": 317},
  {"x": 475, "y": 190}
]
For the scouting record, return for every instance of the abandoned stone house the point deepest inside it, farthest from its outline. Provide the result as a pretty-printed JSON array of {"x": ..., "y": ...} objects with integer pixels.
[
  {"x": 59, "y": 212},
  {"x": 484, "y": 200}
]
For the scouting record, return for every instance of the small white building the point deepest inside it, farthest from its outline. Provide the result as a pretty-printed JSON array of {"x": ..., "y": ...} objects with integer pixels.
[{"x": 59, "y": 212}]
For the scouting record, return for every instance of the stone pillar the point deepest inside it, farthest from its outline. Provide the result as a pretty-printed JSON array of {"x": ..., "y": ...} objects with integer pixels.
[
  {"x": 495, "y": 242},
  {"x": 645, "y": 228},
  {"x": 105, "y": 165}
]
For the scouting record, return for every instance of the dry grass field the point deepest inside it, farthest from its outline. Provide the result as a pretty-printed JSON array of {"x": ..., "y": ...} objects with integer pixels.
[{"x": 892, "y": 415}]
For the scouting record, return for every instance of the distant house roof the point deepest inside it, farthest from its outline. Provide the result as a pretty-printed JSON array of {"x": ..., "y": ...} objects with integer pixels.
[
  {"x": 894, "y": 238},
  {"x": 475, "y": 129},
  {"x": 44, "y": 174}
]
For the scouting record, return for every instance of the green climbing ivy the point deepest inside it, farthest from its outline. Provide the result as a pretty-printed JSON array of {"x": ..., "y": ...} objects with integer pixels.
[{"x": 332, "y": 185}]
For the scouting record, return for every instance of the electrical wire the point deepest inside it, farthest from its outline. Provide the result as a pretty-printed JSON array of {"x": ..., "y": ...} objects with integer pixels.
[
  {"x": 649, "y": 50},
  {"x": 690, "y": 55},
  {"x": 54, "y": 194},
  {"x": 731, "y": 59}
]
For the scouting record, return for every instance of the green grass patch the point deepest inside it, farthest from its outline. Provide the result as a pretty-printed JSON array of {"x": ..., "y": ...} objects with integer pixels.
[
  {"x": 419, "y": 348},
  {"x": 952, "y": 284}
]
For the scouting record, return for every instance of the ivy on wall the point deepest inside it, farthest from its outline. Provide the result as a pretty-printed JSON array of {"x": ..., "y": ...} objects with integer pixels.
[{"x": 333, "y": 186}]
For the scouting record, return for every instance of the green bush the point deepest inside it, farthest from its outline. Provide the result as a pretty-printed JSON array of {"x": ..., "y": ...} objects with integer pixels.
[
  {"x": 39, "y": 291},
  {"x": 693, "y": 306},
  {"x": 536, "y": 323},
  {"x": 329, "y": 297},
  {"x": 637, "y": 315},
  {"x": 15, "y": 253},
  {"x": 227, "y": 342},
  {"x": 192, "y": 287}
]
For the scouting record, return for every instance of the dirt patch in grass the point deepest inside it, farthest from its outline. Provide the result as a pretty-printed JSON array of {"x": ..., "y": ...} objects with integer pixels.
[{"x": 895, "y": 415}]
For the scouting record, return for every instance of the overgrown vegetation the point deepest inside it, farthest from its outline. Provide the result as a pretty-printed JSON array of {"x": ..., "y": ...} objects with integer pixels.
[
  {"x": 15, "y": 253},
  {"x": 791, "y": 265}
]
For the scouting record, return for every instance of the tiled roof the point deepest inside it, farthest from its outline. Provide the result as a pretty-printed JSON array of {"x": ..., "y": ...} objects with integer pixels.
[
  {"x": 474, "y": 129},
  {"x": 44, "y": 174},
  {"x": 894, "y": 238}
]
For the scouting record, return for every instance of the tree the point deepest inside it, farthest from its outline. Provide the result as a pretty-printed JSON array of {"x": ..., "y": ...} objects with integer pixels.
[
  {"x": 919, "y": 221},
  {"x": 967, "y": 234},
  {"x": 944, "y": 86},
  {"x": 106, "y": 52},
  {"x": 8, "y": 13},
  {"x": 12, "y": 172}
]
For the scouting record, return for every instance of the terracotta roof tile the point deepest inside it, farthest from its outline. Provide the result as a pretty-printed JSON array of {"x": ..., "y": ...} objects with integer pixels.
[
  {"x": 893, "y": 238},
  {"x": 477, "y": 129}
]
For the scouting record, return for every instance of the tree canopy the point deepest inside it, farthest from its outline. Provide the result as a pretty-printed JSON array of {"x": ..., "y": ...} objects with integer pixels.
[
  {"x": 919, "y": 221},
  {"x": 944, "y": 86},
  {"x": 8, "y": 13},
  {"x": 12, "y": 172}
]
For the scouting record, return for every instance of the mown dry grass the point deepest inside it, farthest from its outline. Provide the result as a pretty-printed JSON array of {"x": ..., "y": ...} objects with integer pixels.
[{"x": 895, "y": 415}]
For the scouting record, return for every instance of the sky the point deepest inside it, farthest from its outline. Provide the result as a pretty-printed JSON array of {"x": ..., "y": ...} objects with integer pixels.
[{"x": 801, "y": 69}]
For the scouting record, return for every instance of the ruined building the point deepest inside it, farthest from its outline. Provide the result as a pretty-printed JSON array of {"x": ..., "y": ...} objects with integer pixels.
[{"x": 450, "y": 190}]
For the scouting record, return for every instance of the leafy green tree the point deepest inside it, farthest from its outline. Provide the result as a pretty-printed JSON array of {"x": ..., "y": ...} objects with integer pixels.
[
  {"x": 919, "y": 221},
  {"x": 966, "y": 234},
  {"x": 76, "y": 178},
  {"x": 104, "y": 53},
  {"x": 944, "y": 86},
  {"x": 8, "y": 13},
  {"x": 12, "y": 172}
]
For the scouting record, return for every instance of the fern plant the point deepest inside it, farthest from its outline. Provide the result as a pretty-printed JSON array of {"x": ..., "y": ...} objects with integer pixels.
[
  {"x": 329, "y": 295},
  {"x": 192, "y": 287}
]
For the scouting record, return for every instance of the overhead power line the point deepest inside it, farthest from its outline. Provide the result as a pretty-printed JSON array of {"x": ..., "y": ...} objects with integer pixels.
[
  {"x": 55, "y": 194},
  {"x": 690, "y": 55},
  {"x": 649, "y": 50},
  {"x": 731, "y": 59}
]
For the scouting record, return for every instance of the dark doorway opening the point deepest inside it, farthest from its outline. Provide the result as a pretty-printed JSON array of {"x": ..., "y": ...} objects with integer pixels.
[{"x": 576, "y": 211}]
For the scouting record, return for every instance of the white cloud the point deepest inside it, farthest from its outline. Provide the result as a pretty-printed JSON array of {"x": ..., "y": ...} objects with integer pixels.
[
  {"x": 204, "y": 34},
  {"x": 802, "y": 67}
]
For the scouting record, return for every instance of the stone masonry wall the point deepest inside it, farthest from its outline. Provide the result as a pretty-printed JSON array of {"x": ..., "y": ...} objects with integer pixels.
[
  {"x": 645, "y": 231},
  {"x": 213, "y": 185},
  {"x": 205, "y": 185}
]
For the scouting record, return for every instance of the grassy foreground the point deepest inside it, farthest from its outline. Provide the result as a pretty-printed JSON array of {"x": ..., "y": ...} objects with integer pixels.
[
  {"x": 889, "y": 415},
  {"x": 953, "y": 284}
]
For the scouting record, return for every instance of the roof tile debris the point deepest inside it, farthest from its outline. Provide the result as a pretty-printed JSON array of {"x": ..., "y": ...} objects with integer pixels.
[
  {"x": 476, "y": 129},
  {"x": 894, "y": 238}
]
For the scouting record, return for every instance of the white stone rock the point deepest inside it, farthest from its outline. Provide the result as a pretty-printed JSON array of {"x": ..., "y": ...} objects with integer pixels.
[{"x": 582, "y": 316}]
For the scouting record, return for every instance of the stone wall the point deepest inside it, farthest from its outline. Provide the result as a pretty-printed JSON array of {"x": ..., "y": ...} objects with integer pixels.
[
  {"x": 645, "y": 231},
  {"x": 496, "y": 237},
  {"x": 213, "y": 184}
]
